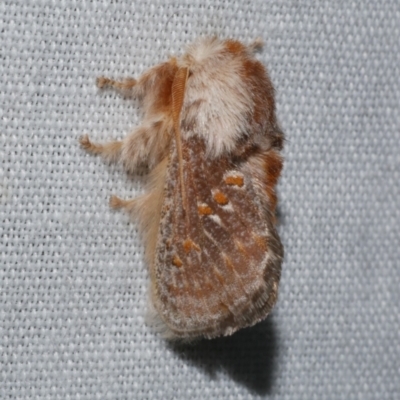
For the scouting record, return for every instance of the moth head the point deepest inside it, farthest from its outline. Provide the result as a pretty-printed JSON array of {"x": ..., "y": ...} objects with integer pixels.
[
  {"x": 199, "y": 53},
  {"x": 211, "y": 52}
]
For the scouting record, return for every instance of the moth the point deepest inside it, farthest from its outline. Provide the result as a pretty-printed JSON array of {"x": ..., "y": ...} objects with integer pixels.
[{"x": 212, "y": 144}]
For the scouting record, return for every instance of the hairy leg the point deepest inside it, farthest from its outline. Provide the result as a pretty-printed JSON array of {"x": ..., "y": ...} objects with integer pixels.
[
  {"x": 148, "y": 143},
  {"x": 109, "y": 151},
  {"x": 126, "y": 84},
  {"x": 144, "y": 146},
  {"x": 117, "y": 203}
]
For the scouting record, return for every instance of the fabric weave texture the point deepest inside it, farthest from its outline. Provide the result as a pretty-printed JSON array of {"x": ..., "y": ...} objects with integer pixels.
[{"x": 73, "y": 281}]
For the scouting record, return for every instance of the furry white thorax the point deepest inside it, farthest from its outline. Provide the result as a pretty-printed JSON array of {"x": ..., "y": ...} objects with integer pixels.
[{"x": 217, "y": 100}]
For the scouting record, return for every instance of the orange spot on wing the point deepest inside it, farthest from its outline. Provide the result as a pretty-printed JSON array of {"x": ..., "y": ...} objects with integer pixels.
[
  {"x": 188, "y": 245},
  {"x": 204, "y": 210},
  {"x": 234, "y": 180},
  {"x": 177, "y": 261},
  {"x": 220, "y": 198}
]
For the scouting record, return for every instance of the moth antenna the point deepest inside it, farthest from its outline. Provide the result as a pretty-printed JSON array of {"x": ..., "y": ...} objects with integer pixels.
[
  {"x": 256, "y": 45},
  {"x": 178, "y": 94}
]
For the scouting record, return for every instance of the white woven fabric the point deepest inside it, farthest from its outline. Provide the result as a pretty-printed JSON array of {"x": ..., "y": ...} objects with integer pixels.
[{"x": 73, "y": 280}]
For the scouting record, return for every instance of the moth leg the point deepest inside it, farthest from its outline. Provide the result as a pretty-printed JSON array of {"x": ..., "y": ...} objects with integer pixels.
[
  {"x": 148, "y": 142},
  {"x": 158, "y": 75},
  {"x": 126, "y": 84},
  {"x": 117, "y": 203},
  {"x": 109, "y": 151},
  {"x": 144, "y": 146}
]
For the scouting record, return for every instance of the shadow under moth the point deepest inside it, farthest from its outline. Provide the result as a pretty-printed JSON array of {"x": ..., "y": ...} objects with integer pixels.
[{"x": 212, "y": 143}]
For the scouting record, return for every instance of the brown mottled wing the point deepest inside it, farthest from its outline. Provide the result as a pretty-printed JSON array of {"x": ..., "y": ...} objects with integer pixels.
[{"x": 217, "y": 263}]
